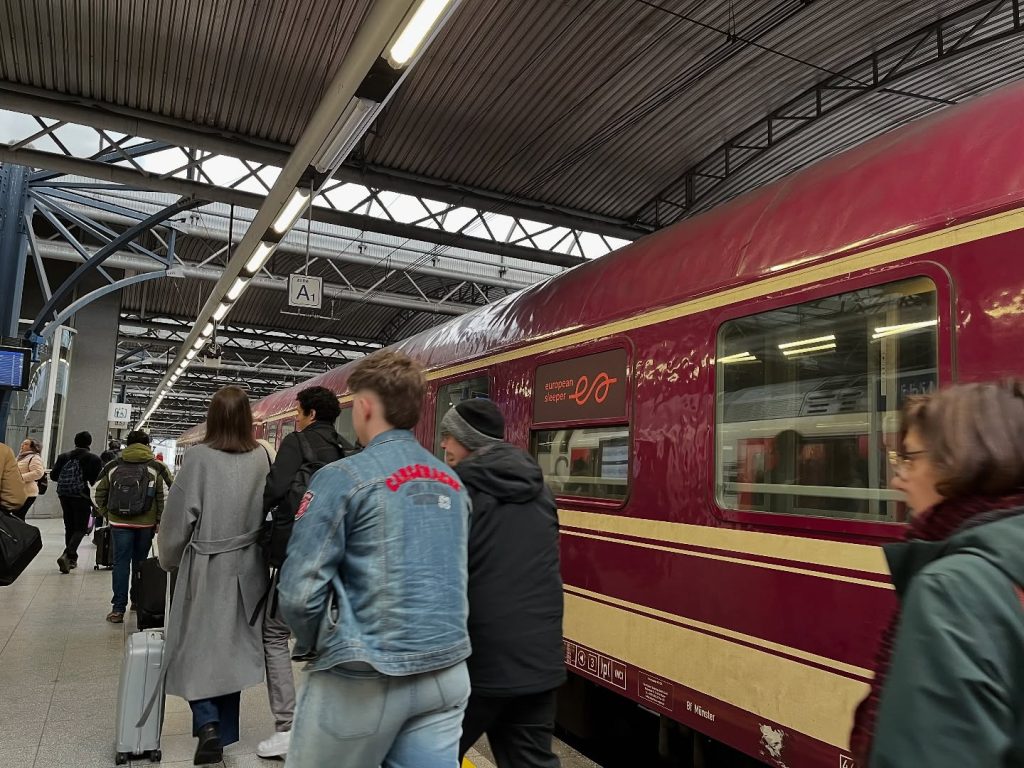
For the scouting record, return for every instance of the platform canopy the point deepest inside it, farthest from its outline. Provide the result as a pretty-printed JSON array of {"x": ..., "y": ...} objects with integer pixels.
[{"x": 531, "y": 135}]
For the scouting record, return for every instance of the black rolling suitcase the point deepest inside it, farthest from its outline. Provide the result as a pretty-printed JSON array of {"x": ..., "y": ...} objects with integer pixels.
[
  {"x": 19, "y": 544},
  {"x": 104, "y": 542},
  {"x": 151, "y": 595}
]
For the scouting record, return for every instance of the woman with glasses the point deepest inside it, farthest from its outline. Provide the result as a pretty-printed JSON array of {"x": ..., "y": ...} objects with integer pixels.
[{"x": 949, "y": 684}]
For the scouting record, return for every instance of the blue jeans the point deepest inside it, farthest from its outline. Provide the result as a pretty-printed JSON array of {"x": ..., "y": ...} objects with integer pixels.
[
  {"x": 131, "y": 548},
  {"x": 222, "y": 710},
  {"x": 354, "y": 719}
]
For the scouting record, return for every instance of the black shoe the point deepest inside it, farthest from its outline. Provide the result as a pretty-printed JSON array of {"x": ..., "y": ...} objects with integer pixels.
[
  {"x": 209, "y": 750},
  {"x": 63, "y": 564}
]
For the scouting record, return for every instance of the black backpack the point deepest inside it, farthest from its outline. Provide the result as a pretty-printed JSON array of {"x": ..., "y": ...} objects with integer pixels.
[
  {"x": 277, "y": 531},
  {"x": 70, "y": 482},
  {"x": 129, "y": 494}
]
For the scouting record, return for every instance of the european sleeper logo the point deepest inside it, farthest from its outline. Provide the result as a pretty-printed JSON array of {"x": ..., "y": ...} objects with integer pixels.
[{"x": 598, "y": 389}]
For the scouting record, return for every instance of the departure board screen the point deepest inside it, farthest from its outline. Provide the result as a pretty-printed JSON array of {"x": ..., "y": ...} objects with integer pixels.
[{"x": 14, "y": 362}]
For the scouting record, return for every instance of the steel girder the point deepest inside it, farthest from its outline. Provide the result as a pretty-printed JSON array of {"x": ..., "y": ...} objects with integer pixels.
[
  {"x": 130, "y": 123},
  {"x": 342, "y": 202},
  {"x": 289, "y": 341},
  {"x": 981, "y": 23},
  {"x": 96, "y": 260},
  {"x": 268, "y": 280}
]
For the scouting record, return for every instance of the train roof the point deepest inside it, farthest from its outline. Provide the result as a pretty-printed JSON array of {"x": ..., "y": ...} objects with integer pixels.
[{"x": 956, "y": 165}]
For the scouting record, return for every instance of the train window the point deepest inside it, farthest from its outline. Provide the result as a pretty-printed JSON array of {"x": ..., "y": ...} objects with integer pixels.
[
  {"x": 808, "y": 400},
  {"x": 286, "y": 429},
  {"x": 450, "y": 395},
  {"x": 344, "y": 426},
  {"x": 589, "y": 462}
]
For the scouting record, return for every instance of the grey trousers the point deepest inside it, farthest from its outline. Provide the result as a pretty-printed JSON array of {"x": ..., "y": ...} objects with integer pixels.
[{"x": 280, "y": 682}]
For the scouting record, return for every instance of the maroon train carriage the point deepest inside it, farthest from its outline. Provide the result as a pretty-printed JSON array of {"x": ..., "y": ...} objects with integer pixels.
[{"x": 713, "y": 404}]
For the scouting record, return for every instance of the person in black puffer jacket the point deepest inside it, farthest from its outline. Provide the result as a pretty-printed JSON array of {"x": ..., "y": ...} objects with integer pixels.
[{"x": 515, "y": 590}]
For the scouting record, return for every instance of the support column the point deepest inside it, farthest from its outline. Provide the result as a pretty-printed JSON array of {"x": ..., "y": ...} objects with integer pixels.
[
  {"x": 14, "y": 203},
  {"x": 92, "y": 371}
]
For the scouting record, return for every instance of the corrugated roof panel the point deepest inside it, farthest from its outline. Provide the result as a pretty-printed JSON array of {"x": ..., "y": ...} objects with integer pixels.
[
  {"x": 549, "y": 119},
  {"x": 255, "y": 68}
]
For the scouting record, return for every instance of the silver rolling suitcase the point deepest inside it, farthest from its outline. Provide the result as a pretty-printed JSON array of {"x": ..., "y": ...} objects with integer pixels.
[{"x": 141, "y": 674}]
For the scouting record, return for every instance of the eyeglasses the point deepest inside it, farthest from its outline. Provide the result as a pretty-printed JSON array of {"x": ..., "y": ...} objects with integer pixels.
[{"x": 901, "y": 461}]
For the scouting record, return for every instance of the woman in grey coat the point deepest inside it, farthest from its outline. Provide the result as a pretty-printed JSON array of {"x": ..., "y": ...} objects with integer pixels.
[{"x": 209, "y": 533}]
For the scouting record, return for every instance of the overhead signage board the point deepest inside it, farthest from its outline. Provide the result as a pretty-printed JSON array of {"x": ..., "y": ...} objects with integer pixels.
[
  {"x": 305, "y": 291},
  {"x": 119, "y": 415},
  {"x": 581, "y": 389},
  {"x": 14, "y": 367}
]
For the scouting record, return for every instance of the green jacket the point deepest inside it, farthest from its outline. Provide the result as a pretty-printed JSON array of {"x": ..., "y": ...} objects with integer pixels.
[
  {"x": 136, "y": 454},
  {"x": 954, "y": 695}
]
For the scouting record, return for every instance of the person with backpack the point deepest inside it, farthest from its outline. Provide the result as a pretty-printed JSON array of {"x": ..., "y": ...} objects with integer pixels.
[
  {"x": 515, "y": 590},
  {"x": 314, "y": 444},
  {"x": 130, "y": 495},
  {"x": 74, "y": 472},
  {"x": 112, "y": 452},
  {"x": 948, "y": 690},
  {"x": 30, "y": 464}
]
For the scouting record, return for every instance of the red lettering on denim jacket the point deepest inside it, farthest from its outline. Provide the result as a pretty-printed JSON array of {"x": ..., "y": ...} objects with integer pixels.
[
  {"x": 412, "y": 472},
  {"x": 304, "y": 505}
]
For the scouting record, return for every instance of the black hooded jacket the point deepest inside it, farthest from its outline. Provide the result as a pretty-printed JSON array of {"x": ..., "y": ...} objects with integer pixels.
[
  {"x": 91, "y": 464},
  {"x": 326, "y": 446},
  {"x": 515, "y": 582}
]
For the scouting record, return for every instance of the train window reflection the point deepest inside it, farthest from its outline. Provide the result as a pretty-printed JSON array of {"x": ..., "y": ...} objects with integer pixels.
[
  {"x": 808, "y": 399},
  {"x": 345, "y": 428},
  {"x": 592, "y": 462},
  {"x": 450, "y": 395}
]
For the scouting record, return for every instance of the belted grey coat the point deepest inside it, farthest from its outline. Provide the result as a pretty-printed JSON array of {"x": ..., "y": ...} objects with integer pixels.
[{"x": 209, "y": 534}]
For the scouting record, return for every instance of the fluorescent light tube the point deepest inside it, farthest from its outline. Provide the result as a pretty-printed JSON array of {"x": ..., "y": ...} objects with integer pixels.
[
  {"x": 739, "y": 357},
  {"x": 354, "y": 120},
  {"x": 191, "y": 354},
  {"x": 291, "y": 211},
  {"x": 207, "y": 331},
  {"x": 199, "y": 344},
  {"x": 893, "y": 330},
  {"x": 219, "y": 312},
  {"x": 805, "y": 350},
  {"x": 805, "y": 342},
  {"x": 259, "y": 258},
  {"x": 415, "y": 31},
  {"x": 236, "y": 289}
]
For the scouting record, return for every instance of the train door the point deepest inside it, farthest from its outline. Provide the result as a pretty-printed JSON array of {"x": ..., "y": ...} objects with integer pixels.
[{"x": 451, "y": 393}]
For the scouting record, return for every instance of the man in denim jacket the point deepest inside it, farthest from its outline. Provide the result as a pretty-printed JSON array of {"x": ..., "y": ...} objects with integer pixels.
[{"x": 374, "y": 589}]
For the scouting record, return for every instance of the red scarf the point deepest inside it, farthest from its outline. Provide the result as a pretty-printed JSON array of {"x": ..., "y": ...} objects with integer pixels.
[{"x": 937, "y": 524}]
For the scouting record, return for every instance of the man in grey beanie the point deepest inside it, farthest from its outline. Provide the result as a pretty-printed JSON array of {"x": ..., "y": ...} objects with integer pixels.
[{"x": 515, "y": 590}]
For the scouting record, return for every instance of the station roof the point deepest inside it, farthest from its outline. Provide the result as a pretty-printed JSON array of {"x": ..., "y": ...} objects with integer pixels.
[
  {"x": 588, "y": 105},
  {"x": 602, "y": 120}
]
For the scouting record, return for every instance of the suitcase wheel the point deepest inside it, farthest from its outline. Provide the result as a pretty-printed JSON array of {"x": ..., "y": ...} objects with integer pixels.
[
  {"x": 155, "y": 756},
  {"x": 121, "y": 758}
]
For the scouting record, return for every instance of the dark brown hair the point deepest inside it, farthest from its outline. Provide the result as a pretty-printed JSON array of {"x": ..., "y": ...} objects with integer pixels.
[
  {"x": 229, "y": 422},
  {"x": 974, "y": 435},
  {"x": 397, "y": 380}
]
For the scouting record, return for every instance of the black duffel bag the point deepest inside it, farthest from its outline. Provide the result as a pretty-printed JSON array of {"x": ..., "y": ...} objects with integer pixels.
[{"x": 19, "y": 544}]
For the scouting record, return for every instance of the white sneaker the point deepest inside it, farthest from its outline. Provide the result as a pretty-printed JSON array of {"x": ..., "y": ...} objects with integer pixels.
[{"x": 275, "y": 746}]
